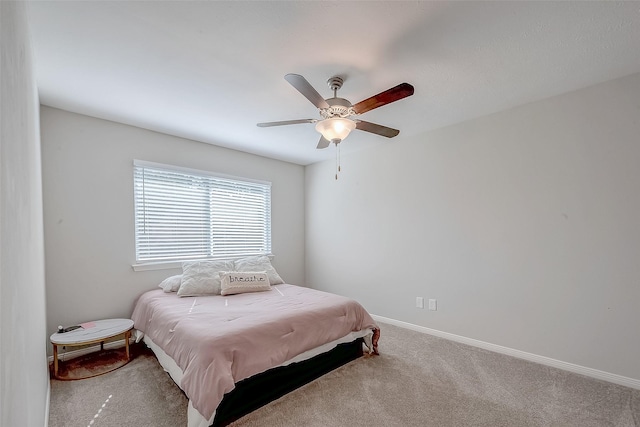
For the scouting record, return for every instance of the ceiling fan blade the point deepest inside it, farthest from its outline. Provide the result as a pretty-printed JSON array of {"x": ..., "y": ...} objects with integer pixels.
[
  {"x": 377, "y": 129},
  {"x": 323, "y": 143},
  {"x": 305, "y": 88},
  {"x": 388, "y": 96},
  {"x": 286, "y": 122}
]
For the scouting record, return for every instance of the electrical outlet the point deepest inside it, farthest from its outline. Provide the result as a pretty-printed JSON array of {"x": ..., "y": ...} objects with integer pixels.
[
  {"x": 433, "y": 305},
  {"x": 419, "y": 302}
]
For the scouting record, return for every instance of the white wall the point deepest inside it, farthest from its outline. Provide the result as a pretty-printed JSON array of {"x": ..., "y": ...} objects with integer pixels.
[
  {"x": 88, "y": 210},
  {"x": 524, "y": 225},
  {"x": 24, "y": 375}
]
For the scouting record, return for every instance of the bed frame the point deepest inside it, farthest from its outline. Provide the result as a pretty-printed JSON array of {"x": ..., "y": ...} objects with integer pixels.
[{"x": 258, "y": 390}]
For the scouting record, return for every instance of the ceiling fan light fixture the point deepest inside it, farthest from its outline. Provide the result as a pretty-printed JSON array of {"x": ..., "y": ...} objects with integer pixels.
[{"x": 335, "y": 128}]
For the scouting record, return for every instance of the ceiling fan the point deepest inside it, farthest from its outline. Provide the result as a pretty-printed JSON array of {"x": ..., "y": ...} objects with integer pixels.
[{"x": 337, "y": 113}]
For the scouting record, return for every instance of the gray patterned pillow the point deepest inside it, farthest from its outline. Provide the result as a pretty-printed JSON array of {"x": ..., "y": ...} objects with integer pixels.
[
  {"x": 259, "y": 263},
  {"x": 171, "y": 284},
  {"x": 202, "y": 278}
]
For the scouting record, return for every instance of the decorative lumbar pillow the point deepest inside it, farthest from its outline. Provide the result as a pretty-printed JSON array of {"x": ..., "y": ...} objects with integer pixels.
[
  {"x": 238, "y": 282},
  {"x": 201, "y": 277},
  {"x": 259, "y": 263},
  {"x": 171, "y": 284}
]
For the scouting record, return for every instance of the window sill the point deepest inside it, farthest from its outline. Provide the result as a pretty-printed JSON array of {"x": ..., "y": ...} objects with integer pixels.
[
  {"x": 168, "y": 265},
  {"x": 157, "y": 266}
]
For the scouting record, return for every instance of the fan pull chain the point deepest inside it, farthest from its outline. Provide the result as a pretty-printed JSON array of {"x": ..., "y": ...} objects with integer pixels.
[{"x": 337, "y": 159}]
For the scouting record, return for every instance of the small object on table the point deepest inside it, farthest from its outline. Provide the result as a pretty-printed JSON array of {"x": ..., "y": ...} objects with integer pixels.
[{"x": 62, "y": 330}]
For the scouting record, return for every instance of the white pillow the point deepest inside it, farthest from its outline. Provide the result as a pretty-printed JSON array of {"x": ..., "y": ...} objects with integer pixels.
[
  {"x": 171, "y": 284},
  {"x": 259, "y": 263},
  {"x": 236, "y": 282},
  {"x": 201, "y": 277}
]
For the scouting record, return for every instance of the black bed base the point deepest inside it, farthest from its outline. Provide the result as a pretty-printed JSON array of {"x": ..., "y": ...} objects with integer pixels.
[{"x": 258, "y": 390}]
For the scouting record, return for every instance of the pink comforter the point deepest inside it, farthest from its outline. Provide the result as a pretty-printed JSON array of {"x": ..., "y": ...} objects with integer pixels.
[{"x": 218, "y": 341}]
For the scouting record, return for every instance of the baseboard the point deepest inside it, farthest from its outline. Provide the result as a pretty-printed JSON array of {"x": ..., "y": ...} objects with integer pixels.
[
  {"x": 67, "y": 355},
  {"x": 47, "y": 404},
  {"x": 543, "y": 360}
]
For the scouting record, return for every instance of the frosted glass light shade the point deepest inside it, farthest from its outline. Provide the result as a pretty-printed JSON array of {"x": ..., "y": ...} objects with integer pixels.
[{"x": 335, "y": 128}]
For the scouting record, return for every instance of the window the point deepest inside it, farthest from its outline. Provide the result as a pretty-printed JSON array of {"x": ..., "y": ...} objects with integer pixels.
[{"x": 183, "y": 214}]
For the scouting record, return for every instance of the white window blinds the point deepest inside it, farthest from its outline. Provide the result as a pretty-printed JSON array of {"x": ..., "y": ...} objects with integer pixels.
[{"x": 182, "y": 214}]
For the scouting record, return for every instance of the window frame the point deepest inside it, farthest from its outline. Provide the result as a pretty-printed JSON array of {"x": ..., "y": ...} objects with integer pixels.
[{"x": 142, "y": 264}]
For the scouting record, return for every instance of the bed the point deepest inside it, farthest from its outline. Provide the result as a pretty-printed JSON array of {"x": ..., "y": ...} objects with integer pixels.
[{"x": 231, "y": 354}]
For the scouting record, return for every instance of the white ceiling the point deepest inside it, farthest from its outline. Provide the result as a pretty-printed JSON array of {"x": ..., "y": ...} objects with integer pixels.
[{"x": 210, "y": 71}]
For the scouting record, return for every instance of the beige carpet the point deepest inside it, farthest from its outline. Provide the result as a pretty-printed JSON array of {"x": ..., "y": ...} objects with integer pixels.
[
  {"x": 138, "y": 394},
  {"x": 418, "y": 380}
]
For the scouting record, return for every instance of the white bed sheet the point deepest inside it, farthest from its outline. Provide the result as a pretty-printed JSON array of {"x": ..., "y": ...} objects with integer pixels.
[{"x": 194, "y": 418}]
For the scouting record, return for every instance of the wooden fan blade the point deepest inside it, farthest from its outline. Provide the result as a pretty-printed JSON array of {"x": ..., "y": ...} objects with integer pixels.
[
  {"x": 305, "y": 88},
  {"x": 286, "y": 122},
  {"x": 323, "y": 143},
  {"x": 387, "y": 97},
  {"x": 377, "y": 129}
]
